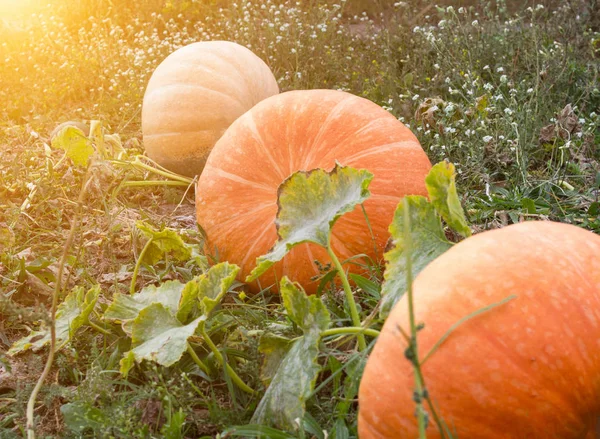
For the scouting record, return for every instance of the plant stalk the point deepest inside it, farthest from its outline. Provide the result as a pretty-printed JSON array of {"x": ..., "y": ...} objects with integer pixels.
[
  {"x": 197, "y": 359},
  {"x": 56, "y": 293},
  {"x": 234, "y": 376},
  {"x": 362, "y": 344},
  {"x": 138, "y": 265},
  {"x": 350, "y": 330},
  {"x": 413, "y": 327}
]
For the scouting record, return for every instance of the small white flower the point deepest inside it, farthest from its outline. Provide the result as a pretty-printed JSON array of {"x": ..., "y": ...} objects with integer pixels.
[
  {"x": 500, "y": 69},
  {"x": 486, "y": 67},
  {"x": 474, "y": 23},
  {"x": 503, "y": 79},
  {"x": 487, "y": 139},
  {"x": 530, "y": 90},
  {"x": 462, "y": 10},
  {"x": 508, "y": 111}
]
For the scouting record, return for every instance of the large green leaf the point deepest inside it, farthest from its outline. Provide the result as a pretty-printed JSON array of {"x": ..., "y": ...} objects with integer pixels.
[
  {"x": 75, "y": 144},
  {"x": 164, "y": 242},
  {"x": 71, "y": 314},
  {"x": 284, "y": 401},
  {"x": 309, "y": 205},
  {"x": 125, "y": 307},
  {"x": 428, "y": 242},
  {"x": 441, "y": 186},
  {"x": 157, "y": 336}
]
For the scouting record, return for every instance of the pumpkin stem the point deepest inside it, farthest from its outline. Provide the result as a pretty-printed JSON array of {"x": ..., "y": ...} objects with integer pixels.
[{"x": 362, "y": 345}]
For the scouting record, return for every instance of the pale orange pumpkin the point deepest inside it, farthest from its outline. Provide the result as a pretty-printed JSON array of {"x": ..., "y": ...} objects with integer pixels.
[
  {"x": 303, "y": 130},
  {"x": 529, "y": 368},
  {"x": 194, "y": 95}
]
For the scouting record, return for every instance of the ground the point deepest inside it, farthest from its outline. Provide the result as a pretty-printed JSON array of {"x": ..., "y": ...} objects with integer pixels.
[{"x": 509, "y": 94}]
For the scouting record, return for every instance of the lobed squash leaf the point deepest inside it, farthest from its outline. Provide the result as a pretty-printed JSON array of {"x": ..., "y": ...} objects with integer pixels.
[
  {"x": 71, "y": 314},
  {"x": 428, "y": 242},
  {"x": 157, "y": 336},
  {"x": 75, "y": 144},
  {"x": 202, "y": 294},
  {"x": 426, "y": 231},
  {"x": 309, "y": 205},
  {"x": 441, "y": 186},
  {"x": 164, "y": 242},
  {"x": 284, "y": 402},
  {"x": 125, "y": 307}
]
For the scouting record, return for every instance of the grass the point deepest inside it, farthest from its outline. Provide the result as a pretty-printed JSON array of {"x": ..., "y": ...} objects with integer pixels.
[{"x": 479, "y": 85}]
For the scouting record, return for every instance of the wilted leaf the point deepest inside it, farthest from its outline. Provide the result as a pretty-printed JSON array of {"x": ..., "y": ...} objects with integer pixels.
[
  {"x": 309, "y": 205},
  {"x": 441, "y": 187},
  {"x": 125, "y": 307},
  {"x": 274, "y": 348},
  {"x": 164, "y": 242},
  {"x": 75, "y": 144},
  {"x": 70, "y": 316},
  {"x": 428, "y": 242},
  {"x": 79, "y": 416},
  {"x": 283, "y": 404},
  {"x": 157, "y": 336}
]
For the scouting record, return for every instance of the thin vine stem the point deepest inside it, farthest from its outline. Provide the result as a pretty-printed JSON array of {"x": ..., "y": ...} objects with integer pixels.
[
  {"x": 350, "y": 330},
  {"x": 413, "y": 347},
  {"x": 215, "y": 350},
  {"x": 57, "y": 290},
  {"x": 197, "y": 359},
  {"x": 138, "y": 265},
  {"x": 362, "y": 344}
]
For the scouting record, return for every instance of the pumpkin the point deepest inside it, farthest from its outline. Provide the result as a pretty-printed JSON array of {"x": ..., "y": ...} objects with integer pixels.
[
  {"x": 304, "y": 130},
  {"x": 527, "y": 368},
  {"x": 194, "y": 95}
]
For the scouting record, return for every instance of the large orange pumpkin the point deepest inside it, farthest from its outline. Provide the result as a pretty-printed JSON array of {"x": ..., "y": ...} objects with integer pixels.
[
  {"x": 303, "y": 130},
  {"x": 194, "y": 95},
  {"x": 529, "y": 368}
]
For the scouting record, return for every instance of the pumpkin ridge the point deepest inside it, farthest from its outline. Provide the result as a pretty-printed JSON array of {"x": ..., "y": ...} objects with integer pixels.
[
  {"x": 236, "y": 178},
  {"x": 196, "y": 87},
  {"x": 256, "y": 242},
  {"x": 317, "y": 142},
  {"x": 254, "y": 130},
  {"x": 378, "y": 149}
]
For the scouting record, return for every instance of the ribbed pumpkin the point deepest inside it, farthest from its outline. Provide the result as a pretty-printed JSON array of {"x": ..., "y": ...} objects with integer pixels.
[
  {"x": 194, "y": 95},
  {"x": 529, "y": 368},
  {"x": 303, "y": 130}
]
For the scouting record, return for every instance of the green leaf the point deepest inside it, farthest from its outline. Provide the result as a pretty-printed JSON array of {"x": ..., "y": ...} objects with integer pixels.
[
  {"x": 125, "y": 307},
  {"x": 79, "y": 416},
  {"x": 367, "y": 285},
  {"x": 529, "y": 205},
  {"x": 206, "y": 291},
  {"x": 284, "y": 402},
  {"x": 274, "y": 348},
  {"x": 164, "y": 242},
  {"x": 428, "y": 242},
  {"x": 71, "y": 314},
  {"x": 308, "y": 312},
  {"x": 213, "y": 285},
  {"x": 157, "y": 336},
  {"x": 173, "y": 429},
  {"x": 309, "y": 205},
  {"x": 75, "y": 144},
  {"x": 441, "y": 186}
]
